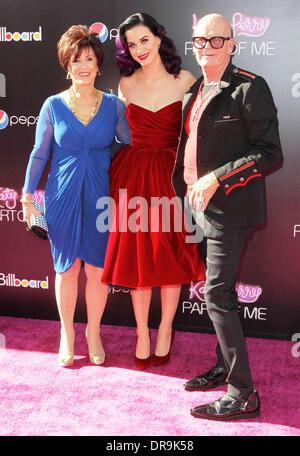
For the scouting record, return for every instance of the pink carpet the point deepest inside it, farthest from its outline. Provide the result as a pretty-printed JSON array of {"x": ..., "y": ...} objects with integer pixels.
[{"x": 40, "y": 398}]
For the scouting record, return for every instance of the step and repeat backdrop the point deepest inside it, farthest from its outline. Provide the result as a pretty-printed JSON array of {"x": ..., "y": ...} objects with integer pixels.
[{"x": 268, "y": 43}]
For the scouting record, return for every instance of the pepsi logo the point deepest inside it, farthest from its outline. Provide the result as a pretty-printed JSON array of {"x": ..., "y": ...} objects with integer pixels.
[
  {"x": 101, "y": 29},
  {"x": 3, "y": 119},
  {"x": 13, "y": 120}
]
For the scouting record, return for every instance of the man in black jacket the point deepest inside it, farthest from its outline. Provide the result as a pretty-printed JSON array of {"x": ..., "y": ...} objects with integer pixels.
[{"x": 229, "y": 139}]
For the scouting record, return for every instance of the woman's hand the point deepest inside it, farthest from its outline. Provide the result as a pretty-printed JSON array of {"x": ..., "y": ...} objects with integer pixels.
[{"x": 28, "y": 209}]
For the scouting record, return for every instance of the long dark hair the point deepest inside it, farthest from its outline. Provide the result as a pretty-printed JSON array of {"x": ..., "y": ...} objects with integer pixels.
[{"x": 167, "y": 50}]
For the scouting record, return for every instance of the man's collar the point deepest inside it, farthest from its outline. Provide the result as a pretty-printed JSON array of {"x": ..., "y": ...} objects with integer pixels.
[
  {"x": 226, "y": 78},
  {"x": 223, "y": 83}
]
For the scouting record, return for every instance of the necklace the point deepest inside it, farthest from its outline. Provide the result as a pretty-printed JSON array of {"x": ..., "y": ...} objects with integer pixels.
[
  {"x": 201, "y": 101},
  {"x": 84, "y": 118}
]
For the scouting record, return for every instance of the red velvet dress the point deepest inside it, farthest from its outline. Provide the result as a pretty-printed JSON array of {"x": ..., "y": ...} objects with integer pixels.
[{"x": 155, "y": 254}]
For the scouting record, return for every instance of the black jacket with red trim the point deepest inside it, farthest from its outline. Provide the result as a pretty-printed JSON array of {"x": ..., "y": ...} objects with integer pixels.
[{"x": 238, "y": 140}]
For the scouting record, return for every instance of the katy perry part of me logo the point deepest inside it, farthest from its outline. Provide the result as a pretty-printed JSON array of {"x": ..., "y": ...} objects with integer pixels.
[{"x": 242, "y": 24}]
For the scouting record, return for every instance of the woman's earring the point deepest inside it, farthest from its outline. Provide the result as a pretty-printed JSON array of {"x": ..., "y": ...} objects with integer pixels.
[
  {"x": 159, "y": 44},
  {"x": 68, "y": 75},
  {"x": 98, "y": 73}
]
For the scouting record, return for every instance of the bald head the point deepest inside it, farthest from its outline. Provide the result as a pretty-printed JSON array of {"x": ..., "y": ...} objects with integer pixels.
[
  {"x": 213, "y": 22},
  {"x": 213, "y": 57}
]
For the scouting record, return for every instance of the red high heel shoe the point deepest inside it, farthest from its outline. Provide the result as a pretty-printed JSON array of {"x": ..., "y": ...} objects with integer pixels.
[
  {"x": 143, "y": 363},
  {"x": 160, "y": 360}
]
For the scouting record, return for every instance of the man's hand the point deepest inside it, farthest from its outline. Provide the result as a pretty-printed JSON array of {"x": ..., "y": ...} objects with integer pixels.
[{"x": 202, "y": 191}]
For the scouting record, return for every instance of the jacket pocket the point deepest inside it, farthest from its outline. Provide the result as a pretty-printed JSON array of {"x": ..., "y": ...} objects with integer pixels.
[{"x": 226, "y": 120}]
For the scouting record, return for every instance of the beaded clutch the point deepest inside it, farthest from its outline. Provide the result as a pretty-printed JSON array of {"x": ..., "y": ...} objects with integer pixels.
[{"x": 38, "y": 224}]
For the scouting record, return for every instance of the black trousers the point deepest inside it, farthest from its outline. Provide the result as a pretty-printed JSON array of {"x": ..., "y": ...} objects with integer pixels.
[{"x": 223, "y": 252}]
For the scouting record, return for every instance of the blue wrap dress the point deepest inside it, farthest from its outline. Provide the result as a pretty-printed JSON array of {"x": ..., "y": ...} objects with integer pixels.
[{"x": 78, "y": 176}]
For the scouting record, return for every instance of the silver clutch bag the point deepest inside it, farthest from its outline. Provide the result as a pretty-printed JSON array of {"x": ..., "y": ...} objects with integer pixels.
[{"x": 38, "y": 224}]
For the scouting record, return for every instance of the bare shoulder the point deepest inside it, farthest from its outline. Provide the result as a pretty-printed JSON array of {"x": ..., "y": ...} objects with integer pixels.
[
  {"x": 131, "y": 86},
  {"x": 126, "y": 85},
  {"x": 186, "y": 79},
  {"x": 123, "y": 89},
  {"x": 127, "y": 82},
  {"x": 124, "y": 81}
]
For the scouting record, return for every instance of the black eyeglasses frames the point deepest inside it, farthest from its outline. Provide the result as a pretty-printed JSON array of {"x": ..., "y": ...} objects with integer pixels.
[{"x": 216, "y": 42}]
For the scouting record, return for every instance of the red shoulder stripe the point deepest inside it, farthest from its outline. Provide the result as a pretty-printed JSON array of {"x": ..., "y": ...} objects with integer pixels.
[{"x": 247, "y": 74}]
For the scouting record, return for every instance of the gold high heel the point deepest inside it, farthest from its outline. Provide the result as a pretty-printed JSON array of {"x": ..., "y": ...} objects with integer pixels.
[
  {"x": 95, "y": 358},
  {"x": 65, "y": 357}
]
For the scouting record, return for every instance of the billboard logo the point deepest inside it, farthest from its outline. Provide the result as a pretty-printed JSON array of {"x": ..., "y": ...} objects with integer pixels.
[
  {"x": 20, "y": 36},
  {"x": 101, "y": 29},
  {"x": 249, "y": 25},
  {"x": 3, "y": 119},
  {"x": 10, "y": 280}
]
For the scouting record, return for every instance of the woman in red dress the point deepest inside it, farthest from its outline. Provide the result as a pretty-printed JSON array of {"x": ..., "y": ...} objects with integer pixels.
[{"x": 144, "y": 250}]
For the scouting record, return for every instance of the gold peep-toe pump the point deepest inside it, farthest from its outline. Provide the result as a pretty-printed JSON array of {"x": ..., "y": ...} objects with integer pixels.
[
  {"x": 95, "y": 358},
  {"x": 66, "y": 354}
]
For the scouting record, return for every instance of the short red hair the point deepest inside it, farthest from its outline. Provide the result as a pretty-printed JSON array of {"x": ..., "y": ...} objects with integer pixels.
[{"x": 74, "y": 40}]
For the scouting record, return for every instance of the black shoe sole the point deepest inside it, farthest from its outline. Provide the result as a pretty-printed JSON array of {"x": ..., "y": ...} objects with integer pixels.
[
  {"x": 233, "y": 417},
  {"x": 203, "y": 388}
]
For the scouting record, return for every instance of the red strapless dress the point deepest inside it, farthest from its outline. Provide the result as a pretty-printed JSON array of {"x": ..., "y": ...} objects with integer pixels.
[{"x": 147, "y": 258}]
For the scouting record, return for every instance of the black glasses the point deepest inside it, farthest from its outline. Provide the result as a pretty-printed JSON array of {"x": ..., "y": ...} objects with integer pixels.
[{"x": 216, "y": 42}]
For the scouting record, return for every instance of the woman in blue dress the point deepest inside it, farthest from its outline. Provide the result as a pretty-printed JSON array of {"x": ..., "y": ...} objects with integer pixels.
[{"x": 78, "y": 125}]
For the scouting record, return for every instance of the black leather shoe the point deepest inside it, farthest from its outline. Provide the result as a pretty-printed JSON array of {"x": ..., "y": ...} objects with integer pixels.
[
  {"x": 214, "y": 377},
  {"x": 227, "y": 408}
]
